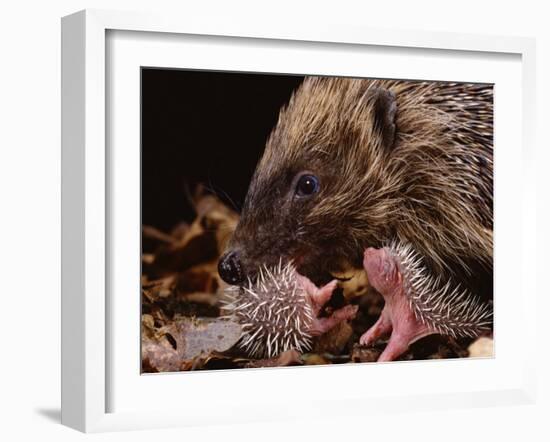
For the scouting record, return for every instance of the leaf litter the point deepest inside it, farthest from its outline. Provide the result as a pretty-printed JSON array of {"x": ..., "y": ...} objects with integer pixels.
[{"x": 182, "y": 327}]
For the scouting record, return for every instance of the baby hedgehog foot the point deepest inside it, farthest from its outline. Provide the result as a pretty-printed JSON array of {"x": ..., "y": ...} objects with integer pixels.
[
  {"x": 318, "y": 297},
  {"x": 417, "y": 305}
]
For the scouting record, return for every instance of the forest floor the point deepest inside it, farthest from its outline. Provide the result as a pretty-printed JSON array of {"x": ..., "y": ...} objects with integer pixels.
[{"x": 181, "y": 309}]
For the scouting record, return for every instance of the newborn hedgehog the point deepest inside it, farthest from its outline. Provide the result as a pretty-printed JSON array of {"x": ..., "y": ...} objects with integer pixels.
[
  {"x": 417, "y": 304},
  {"x": 357, "y": 163},
  {"x": 278, "y": 311}
]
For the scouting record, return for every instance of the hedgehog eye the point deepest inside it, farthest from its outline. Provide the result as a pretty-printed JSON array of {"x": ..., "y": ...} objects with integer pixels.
[{"x": 307, "y": 185}]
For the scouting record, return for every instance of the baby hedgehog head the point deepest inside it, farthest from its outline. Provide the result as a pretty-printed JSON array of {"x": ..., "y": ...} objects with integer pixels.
[
  {"x": 447, "y": 309},
  {"x": 274, "y": 312}
]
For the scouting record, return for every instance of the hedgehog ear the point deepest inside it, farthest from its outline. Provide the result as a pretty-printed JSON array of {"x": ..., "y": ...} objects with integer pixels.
[{"x": 385, "y": 109}]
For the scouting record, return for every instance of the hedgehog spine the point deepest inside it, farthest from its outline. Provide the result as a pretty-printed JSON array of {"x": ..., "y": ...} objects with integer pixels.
[
  {"x": 274, "y": 312},
  {"x": 446, "y": 308}
]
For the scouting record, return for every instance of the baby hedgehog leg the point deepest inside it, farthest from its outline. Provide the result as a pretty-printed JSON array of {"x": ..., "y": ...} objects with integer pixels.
[
  {"x": 417, "y": 304},
  {"x": 397, "y": 318},
  {"x": 318, "y": 297}
]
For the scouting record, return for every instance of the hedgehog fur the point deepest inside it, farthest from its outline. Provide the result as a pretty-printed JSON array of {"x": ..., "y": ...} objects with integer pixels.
[
  {"x": 274, "y": 312},
  {"x": 405, "y": 160}
]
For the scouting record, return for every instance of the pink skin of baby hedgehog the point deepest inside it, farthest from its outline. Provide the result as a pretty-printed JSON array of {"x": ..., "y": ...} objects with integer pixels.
[
  {"x": 397, "y": 318},
  {"x": 318, "y": 297}
]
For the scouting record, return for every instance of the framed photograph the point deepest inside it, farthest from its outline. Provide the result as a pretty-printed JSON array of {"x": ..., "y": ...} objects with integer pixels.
[{"x": 253, "y": 211}]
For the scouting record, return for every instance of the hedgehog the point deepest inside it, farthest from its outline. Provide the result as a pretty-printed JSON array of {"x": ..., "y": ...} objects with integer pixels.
[
  {"x": 354, "y": 164},
  {"x": 277, "y": 311},
  {"x": 416, "y": 303}
]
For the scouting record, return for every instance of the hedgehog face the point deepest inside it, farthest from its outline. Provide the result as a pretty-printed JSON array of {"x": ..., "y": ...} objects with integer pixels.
[
  {"x": 273, "y": 224},
  {"x": 323, "y": 164}
]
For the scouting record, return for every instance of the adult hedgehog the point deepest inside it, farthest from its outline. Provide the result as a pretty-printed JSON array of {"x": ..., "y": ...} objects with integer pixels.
[{"x": 356, "y": 163}]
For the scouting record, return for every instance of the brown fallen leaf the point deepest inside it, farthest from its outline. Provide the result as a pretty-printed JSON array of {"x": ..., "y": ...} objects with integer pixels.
[
  {"x": 171, "y": 347},
  {"x": 197, "y": 247},
  {"x": 158, "y": 350},
  {"x": 286, "y": 358},
  {"x": 333, "y": 341},
  {"x": 361, "y": 353},
  {"x": 314, "y": 359},
  {"x": 179, "y": 231},
  {"x": 200, "y": 298},
  {"x": 200, "y": 278},
  {"x": 212, "y": 361},
  {"x": 215, "y": 215},
  {"x": 153, "y": 233},
  {"x": 206, "y": 335},
  {"x": 481, "y": 348},
  {"x": 353, "y": 283},
  {"x": 160, "y": 288}
]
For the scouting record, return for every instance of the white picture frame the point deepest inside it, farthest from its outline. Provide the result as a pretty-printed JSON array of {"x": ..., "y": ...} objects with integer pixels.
[{"x": 87, "y": 206}]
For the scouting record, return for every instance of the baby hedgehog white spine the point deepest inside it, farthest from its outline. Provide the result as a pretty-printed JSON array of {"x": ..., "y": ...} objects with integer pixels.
[
  {"x": 446, "y": 308},
  {"x": 274, "y": 312}
]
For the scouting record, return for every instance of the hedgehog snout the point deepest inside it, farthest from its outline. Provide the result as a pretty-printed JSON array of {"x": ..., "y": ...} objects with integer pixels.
[{"x": 230, "y": 267}]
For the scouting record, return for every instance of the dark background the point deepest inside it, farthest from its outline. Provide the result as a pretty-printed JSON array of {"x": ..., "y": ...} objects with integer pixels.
[{"x": 203, "y": 127}]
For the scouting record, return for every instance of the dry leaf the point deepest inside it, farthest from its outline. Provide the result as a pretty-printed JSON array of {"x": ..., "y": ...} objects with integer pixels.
[
  {"x": 335, "y": 340},
  {"x": 170, "y": 347},
  {"x": 286, "y": 358},
  {"x": 207, "y": 335},
  {"x": 481, "y": 348},
  {"x": 365, "y": 354}
]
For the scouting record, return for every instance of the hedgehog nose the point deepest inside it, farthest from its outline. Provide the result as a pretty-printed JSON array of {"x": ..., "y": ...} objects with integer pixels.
[{"x": 230, "y": 268}]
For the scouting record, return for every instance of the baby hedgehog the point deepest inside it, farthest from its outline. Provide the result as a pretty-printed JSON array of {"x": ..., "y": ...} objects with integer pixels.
[
  {"x": 278, "y": 311},
  {"x": 416, "y": 303}
]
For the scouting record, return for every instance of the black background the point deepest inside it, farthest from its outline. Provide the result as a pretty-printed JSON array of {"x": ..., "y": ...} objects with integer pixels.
[{"x": 203, "y": 127}]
